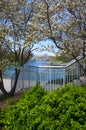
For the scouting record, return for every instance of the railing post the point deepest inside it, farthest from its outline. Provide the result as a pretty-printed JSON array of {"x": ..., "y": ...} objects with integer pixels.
[
  {"x": 37, "y": 80},
  {"x": 64, "y": 75},
  {"x": 77, "y": 71},
  {"x": 29, "y": 71},
  {"x": 22, "y": 77},
  {"x": 50, "y": 79}
]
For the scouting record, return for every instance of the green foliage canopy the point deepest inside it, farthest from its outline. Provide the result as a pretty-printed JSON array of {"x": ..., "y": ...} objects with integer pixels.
[{"x": 63, "y": 109}]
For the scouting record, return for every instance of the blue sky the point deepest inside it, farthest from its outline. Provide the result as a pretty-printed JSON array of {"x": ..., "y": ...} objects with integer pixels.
[{"x": 45, "y": 48}]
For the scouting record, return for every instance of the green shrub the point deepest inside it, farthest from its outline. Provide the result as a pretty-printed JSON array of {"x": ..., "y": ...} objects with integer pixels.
[
  {"x": 63, "y": 109},
  {"x": 17, "y": 116},
  {"x": 2, "y": 97},
  {"x": 1, "y": 118}
]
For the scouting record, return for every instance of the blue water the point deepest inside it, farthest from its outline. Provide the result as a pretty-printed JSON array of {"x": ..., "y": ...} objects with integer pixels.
[
  {"x": 32, "y": 72},
  {"x": 9, "y": 72},
  {"x": 43, "y": 74}
]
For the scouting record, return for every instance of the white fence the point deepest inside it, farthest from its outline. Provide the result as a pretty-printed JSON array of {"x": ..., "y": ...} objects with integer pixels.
[{"x": 49, "y": 77}]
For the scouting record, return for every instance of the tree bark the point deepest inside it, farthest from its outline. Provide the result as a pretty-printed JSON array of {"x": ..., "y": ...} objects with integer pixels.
[
  {"x": 17, "y": 72},
  {"x": 2, "y": 85},
  {"x": 11, "y": 93}
]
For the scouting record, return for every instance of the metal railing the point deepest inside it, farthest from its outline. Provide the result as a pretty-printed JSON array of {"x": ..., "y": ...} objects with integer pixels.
[{"x": 49, "y": 77}]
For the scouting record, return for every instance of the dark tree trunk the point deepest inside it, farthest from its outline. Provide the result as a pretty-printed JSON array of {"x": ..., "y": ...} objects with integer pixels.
[
  {"x": 17, "y": 72},
  {"x": 2, "y": 85},
  {"x": 85, "y": 70},
  {"x": 11, "y": 93}
]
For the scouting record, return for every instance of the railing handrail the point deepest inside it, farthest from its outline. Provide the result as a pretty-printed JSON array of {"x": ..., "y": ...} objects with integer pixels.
[
  {"x": 73, "y": 61},
  {"x": 60, "y": 65}
]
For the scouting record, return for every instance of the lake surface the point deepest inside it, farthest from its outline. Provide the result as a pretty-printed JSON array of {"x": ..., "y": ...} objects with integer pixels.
[
  {"x": 31, "y": 71},
  {"x": 10, "y": 71}
]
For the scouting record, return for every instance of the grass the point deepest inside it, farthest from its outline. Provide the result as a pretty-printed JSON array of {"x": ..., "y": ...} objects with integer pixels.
[{"x": 5, "y": 102}]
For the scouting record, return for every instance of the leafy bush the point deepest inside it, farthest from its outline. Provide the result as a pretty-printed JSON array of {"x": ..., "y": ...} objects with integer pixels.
[
  {"x": 2, "y": 97},
  {"x": 17, "y": 116},
  {"x": 63, "y": 109},
  {"x": 1, "y": 118}
]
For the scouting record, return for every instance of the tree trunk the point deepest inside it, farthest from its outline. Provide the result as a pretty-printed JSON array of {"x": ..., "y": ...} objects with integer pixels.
[
  {"x": 85, "y": 70},
  {"x": 11, "y": 93},
  {"x": 17, "y": 72},
  {"x": 2, "y": 85}
]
